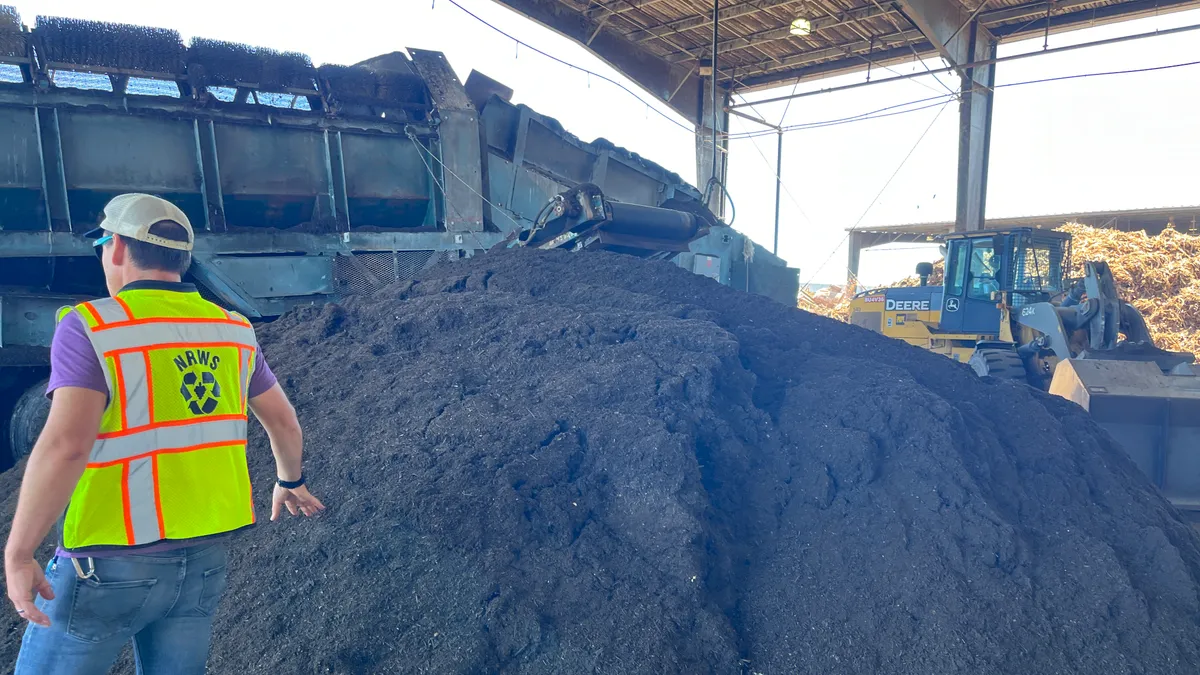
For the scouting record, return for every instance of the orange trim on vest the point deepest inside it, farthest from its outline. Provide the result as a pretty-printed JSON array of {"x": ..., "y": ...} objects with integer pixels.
[
  {"x": 169, "y": 423},
  {"x": 149, "y": 388},
  {"x": 241, "y": 401},
  {"x": 120, "y": 376},
  {"x": 172, "y": 345},
  {"x": 125, "y": 503},
  {"x": 167, "y": 451},
  {"x": 95, "y": 315},
  {"x": 124, "y": 306},
  {"x": 162, "y": 527},
  {"x": 181, "y": 320}
]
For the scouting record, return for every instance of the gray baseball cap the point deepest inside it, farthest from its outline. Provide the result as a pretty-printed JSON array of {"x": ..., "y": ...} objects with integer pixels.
[{"x": 131, "y": 215}]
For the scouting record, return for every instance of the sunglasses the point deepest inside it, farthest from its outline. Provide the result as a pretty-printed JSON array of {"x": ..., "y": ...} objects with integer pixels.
[{"x": 98, "y": 245}]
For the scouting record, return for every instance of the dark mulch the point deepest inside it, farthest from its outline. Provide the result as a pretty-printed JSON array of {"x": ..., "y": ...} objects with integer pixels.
[{"x": 556, "y": 463}]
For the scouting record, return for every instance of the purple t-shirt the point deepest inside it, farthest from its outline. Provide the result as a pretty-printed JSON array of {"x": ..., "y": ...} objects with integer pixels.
[{"x": 73, "y": 363}]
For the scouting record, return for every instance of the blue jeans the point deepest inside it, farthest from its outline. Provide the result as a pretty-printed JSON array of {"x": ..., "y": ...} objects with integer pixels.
[{"x": 163, "y": 601}]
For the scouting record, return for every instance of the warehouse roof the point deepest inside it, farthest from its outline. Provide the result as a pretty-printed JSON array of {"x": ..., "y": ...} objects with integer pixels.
[
  {"x": 661, "y": 43},
  {"x": 1153, "y": 221}
]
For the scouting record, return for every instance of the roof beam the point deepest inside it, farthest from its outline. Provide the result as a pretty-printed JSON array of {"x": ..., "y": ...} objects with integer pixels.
[
  {"x": 851, "y": 49},
  {"x": 1026, "y": 11},
  {"x": 618, "y": 7},
  {"x": 1067, "y": 16},
  {"x": 853, "y": 63},
  {"x": 701, "y": 21},
  {"x": 735, "y": 44},
  {"x": 943, "y": 23},
  {"x": 676, "y": 85}
]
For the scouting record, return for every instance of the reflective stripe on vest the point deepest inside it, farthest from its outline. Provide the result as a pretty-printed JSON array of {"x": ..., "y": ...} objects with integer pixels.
[{"x": 169, "y": 461}]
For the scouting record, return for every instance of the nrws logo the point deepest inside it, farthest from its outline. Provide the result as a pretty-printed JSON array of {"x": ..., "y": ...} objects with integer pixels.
[{"x": 200, "y": 389}]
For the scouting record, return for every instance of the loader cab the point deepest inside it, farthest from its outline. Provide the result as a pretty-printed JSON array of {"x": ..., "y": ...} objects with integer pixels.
[{"x": 987, "y": 268}]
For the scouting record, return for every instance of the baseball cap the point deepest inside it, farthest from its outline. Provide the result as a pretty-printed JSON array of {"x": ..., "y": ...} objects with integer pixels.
[{"x": 131, "y": 215}]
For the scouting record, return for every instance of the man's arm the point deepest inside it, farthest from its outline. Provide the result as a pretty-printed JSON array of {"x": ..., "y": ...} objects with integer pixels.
[
  {"x": 278, "y": 417},
  {"x": 58, "y": 460}
]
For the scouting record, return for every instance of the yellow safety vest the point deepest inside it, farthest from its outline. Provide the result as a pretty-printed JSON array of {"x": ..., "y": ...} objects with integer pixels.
[{"x": 169, "y": 461}]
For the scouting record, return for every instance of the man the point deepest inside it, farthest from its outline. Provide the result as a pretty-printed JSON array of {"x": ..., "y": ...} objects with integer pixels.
[{"x": 144, "y": 458}]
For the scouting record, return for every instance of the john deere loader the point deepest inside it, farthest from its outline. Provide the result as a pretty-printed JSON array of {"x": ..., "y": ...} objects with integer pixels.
[{"x": 1007, "y": 309}]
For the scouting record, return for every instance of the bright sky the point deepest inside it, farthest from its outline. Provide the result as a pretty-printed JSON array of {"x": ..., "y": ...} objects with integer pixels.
[{"x": 1124, "y": 141}]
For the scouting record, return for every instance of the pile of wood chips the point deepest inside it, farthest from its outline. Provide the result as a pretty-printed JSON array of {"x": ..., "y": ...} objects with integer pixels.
[
  {"x": 831, "y": 301},
  {"x": 1160, "y": 275}
]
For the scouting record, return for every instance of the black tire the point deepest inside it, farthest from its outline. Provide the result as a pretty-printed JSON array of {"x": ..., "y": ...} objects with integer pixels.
[
  {"x": 1000, "y": 363},
  {"x": 28, "y": 417}
]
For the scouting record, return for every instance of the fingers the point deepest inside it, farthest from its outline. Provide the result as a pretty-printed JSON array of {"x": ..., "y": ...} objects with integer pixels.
[
  {"x": 31, "y": 613},
  {"x": 43, "y": 587},
  {"x": 298, "y": 501},
  {"x": 23, "y": 601},
  {"x": 310, "y": 505}
]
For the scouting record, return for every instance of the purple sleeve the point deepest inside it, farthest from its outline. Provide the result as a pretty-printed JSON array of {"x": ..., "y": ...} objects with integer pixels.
[
  {"x": 261, "y": 379},
  {"x": 73, "y": 362}
]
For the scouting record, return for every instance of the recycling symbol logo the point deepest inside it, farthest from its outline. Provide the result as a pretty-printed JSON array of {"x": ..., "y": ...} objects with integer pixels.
[{"x": 200, "y": 391}]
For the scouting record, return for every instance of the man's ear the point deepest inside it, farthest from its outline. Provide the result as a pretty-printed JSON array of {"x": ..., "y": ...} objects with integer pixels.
[{"x": 120, "y": 250}]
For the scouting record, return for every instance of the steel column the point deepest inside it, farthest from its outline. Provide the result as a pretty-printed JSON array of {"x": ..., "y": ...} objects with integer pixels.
[
  {"x": 857, "y": 244},
  {"x": 711, "y": 160},
  {"x": 778, "y": 185},
  {"x": 54, "y": 173},
  {"x": 210, "y": 175},
  {"x": 975, "y": 131}
]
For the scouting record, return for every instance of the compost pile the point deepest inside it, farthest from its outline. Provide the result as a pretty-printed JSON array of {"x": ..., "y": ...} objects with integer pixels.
[
  {"x": 572, "y": 463},
  {"x": 1160, "y": 275}
]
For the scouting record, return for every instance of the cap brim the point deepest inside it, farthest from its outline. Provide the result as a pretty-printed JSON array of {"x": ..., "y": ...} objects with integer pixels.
[{"x": 94, "y": 234}]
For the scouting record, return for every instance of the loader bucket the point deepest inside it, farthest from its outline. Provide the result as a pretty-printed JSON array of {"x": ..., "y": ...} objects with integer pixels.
[{"x": 1154, "y": 416}]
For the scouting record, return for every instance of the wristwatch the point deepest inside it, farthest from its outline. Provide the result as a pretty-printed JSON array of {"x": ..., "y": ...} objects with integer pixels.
[{"x": 290, "y": 484}]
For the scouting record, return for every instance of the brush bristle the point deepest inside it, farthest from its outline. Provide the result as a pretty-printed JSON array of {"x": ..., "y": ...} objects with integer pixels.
[{"x": 109, "y": 45}]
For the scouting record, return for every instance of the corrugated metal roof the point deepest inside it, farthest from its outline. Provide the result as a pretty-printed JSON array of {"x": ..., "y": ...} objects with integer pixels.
[
  {"x": 757, "y": 48},
  {"x": 1185, "y": 217}
]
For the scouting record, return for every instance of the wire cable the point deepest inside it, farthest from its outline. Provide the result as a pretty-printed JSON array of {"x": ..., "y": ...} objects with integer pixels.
[
  {"x": 880, "y": 193},
  {"x": 779, "y": 173},
  {"x": 421, "y": 150},
  {"x": 572, "y": 66},
  {"x": 874, "y": 113},
  {"x": 812, "y": 125}
]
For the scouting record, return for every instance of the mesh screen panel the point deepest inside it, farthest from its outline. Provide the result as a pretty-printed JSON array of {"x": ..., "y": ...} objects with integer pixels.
[{"x": 408, "y": 263}]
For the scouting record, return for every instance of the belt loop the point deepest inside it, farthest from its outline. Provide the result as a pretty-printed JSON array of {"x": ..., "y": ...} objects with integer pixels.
[{"x": 91, "y": 573}]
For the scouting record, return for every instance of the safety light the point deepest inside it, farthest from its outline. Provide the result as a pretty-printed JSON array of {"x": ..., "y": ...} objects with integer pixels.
[{"x": 801, "y": 27}]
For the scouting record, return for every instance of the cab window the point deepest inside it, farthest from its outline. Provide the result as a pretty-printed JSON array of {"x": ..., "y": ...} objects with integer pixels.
[
  {"x": 956, "y": 267},
  {"x": 982, "y": 277}
]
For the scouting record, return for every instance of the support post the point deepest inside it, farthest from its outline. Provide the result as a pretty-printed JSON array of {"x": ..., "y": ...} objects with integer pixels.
[
  {"x": 961, "y": 39},
  {"x": 856, "y": 247},
  {"x": 778, "y": 185},
  {"x": 54, "y": 176},
  {"x": 210, "y": 175},
  {"x": 975, "y": 131},
  {"x": 706, "y": 171}
]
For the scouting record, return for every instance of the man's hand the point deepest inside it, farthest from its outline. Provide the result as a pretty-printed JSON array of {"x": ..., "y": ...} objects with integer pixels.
[
  {"x": 24, "y": 580},
  {"x": 297, "y": 500}
]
